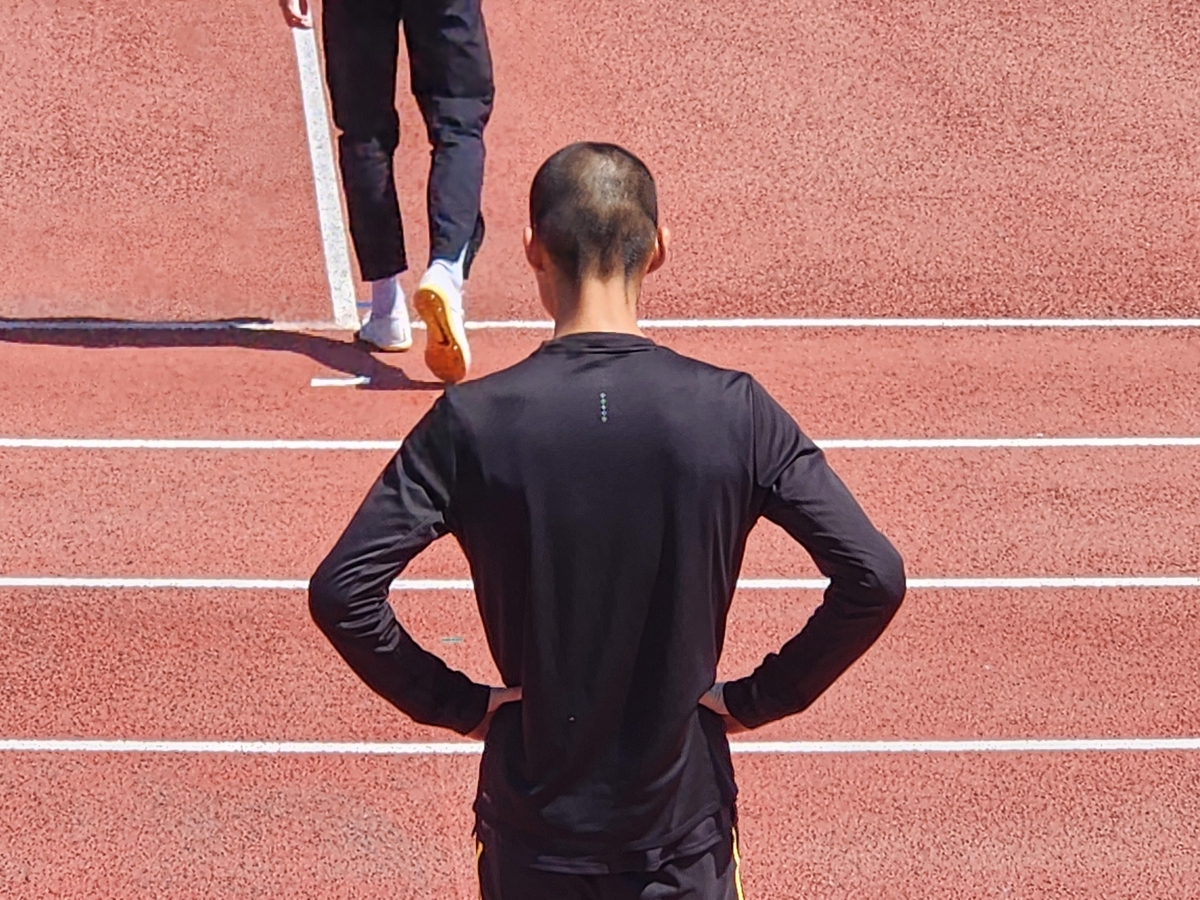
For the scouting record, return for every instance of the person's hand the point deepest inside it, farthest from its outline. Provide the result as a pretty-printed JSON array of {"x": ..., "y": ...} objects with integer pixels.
[
  {"x": 497, "y": 698},
  {"x": 296, "y": 13},
  {"x": 714, "y": 699}
]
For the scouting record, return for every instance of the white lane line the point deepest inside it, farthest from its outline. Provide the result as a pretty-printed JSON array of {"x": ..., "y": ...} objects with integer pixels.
[
  {"x": 214, "y": 584},
  {"x": 1050, "y": 582},
  {"x": 979, "y": 443},
  {"x": 935, "y": 323},
  {"x": 1024, "y": 745},
  {"x": 340, "y": 382},
  {"x": 854, "y": 322},
  {"x": 1005, "y": 443},
  {"x": 471, "y": 748},
  {"x": 746, "y": 584},
  {"x": 325, "y": 180},
  {"x": 189, "y": 444},
  {"x": 339, "y": 272},
  {"x": 840, "y": 323}
]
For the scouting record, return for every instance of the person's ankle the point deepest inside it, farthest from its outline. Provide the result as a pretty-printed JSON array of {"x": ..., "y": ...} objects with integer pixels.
[
  {"x": 387, "y": 299},
  {"x": 455, "y": 269},
  {"x": 449, "y": 269}
]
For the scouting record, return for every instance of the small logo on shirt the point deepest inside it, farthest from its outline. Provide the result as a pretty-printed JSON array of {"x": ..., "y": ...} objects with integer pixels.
[{"x": 603, "y": 407}]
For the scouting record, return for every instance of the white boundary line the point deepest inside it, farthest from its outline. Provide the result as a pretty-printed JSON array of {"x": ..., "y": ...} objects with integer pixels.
[
  {"x": 851, "y": 322},
  {"x": 922, "y": 323},
  {"x": 325, "y": 180},
  {"x": 472, "y": 748},
  {"x": 341, "y": 285},
  {"x": 348, "y": 381},
  {"x": 189, "y": 444},
  {"x": 1005, "y": 443},
  {"x": 1051, "y": 582},
  {"x": 982, "y": 443}
]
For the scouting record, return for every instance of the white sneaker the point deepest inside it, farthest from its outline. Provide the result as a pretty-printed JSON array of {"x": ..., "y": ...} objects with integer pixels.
[
  {"x": 439, "y": 302},
  {"x": 391, "y": 334}
]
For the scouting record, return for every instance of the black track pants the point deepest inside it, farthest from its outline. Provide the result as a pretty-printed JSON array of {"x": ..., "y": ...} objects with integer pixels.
[{"x": 451, "y": 77}]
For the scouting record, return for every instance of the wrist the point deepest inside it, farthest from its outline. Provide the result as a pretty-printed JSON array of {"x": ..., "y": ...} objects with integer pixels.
[{"x": 737, "y": 700}]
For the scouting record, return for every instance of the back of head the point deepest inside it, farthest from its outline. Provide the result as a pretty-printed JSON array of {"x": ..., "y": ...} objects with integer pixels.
[{"x": 594, "y": 208}]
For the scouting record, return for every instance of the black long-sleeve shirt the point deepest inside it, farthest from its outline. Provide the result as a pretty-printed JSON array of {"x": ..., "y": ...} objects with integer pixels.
[{"x": 602, "y": 491}]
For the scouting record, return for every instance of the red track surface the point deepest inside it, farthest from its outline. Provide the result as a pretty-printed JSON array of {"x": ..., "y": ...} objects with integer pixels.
[
  {"x": 952, "y": 513},
  {"x": 952, "y": 827},
  {"x": 155, "y": 164},
  {"x": 837, "y": 383},
  {"x": 814, "y": 158},
  {"x": 956, "y": 664}
]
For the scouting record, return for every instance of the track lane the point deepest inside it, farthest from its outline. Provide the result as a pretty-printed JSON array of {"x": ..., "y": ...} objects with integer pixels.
[
  {"x": 178, "y": 665},
  {"x": 924, "y": 225},
  {"x": 819, "y": 157},
  {"x": 156, "y": 164},
  {"x": 941, "y": 828},
  {"x": 904, "y": 162},
  {"x": 275, "y": 515},
  {"x": 837, "y": 383}
]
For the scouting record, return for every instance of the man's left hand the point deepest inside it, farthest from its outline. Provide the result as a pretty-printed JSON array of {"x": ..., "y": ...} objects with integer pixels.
[{"x": 498, "y": 697}]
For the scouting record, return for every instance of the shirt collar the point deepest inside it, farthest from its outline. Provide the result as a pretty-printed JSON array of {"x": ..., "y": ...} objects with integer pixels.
[{"x": 598, "y": 342}]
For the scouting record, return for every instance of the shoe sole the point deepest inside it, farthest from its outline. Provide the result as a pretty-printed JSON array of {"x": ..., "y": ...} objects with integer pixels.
[{"x": 446, "y": 351}]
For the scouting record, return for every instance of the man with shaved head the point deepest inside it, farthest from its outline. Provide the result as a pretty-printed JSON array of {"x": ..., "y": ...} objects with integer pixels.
[{"x": 602, "y": 491}]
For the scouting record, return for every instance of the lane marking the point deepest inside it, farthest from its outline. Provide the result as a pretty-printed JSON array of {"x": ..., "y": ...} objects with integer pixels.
[
  {"x": 190, "y": 444},
  {"x": 946, "y": 443},
  {"x": 345, "y": 309},
  {"x": 1034, "y": 583},
  {"x": 349, "y": 381},
  {"x": 857, "y": 322},
  {"x": 472, "y": 748},
  {"x": 1005, "y": 443},
  {"x": 325, "y": 180}
]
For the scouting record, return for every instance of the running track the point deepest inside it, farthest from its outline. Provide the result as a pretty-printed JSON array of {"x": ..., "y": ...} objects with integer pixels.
[{"x": 816, "y": 159}]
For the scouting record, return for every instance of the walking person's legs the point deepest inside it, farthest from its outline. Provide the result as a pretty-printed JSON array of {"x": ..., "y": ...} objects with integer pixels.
[
  {"x": 362, "y": 40},
  {"x": 451, "y": 71}
]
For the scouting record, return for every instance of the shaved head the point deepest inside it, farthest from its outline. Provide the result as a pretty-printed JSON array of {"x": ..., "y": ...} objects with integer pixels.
[{"x": 594, "y": 209}]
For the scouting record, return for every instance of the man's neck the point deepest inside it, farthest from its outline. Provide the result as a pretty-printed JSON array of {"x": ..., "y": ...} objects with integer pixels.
[{"x": 600, "y": 306}]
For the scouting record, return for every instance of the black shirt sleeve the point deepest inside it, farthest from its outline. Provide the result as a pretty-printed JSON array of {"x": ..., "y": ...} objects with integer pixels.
[
  {"x": 801, "y": 493},
  {"x": 407, "y": 509}
]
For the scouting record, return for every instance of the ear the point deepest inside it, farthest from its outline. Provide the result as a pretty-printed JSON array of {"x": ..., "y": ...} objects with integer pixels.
[
  {"x": 533, "y": 251},
  {"x": 659, "y": 257}
]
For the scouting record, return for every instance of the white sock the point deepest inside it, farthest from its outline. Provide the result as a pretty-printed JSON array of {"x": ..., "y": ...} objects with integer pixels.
[{"x": 386, "y": 296}]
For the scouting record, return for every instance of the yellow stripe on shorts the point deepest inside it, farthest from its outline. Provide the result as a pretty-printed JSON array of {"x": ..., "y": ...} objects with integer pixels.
[{"x": 737, "y": 867}]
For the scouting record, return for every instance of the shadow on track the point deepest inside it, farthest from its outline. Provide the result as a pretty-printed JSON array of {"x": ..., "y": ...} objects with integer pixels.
[{"x": 339, "y": 354}]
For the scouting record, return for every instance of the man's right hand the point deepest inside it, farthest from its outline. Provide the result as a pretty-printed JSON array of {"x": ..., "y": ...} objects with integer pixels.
[
  {"x": 296, "y": 13},
  {"x": 714, "y": 699}
]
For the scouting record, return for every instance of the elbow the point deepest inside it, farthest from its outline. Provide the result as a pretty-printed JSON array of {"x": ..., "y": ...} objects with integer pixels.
[
  {"x": 325, "y": 602},
  {"x": 888, "y": 580}
]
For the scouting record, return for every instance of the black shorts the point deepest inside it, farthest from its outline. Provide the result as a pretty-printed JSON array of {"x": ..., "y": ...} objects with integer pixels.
[{"x": 712, "y": 875}]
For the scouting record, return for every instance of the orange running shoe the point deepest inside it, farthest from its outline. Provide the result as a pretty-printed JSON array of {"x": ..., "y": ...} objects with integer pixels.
[{"x": 439, "y": 302}]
